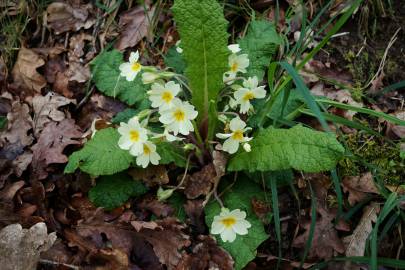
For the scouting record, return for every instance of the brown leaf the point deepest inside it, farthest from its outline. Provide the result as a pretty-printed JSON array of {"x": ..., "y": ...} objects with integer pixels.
[
  {"x": 134, "y": 25},
  {"x": 63, "y": 17},
  {"x": 356, "y": 243},
  {"x": 325, "y": 239},
  {"x": 398, "y": 130},
  {"x": 46, "y": 110},
  {"x": 358, "y": 187},
  {"x": 206, "y": 255},
  {"x": 51, "y": 143},
  {"x": 151, "y": 176},
  {"x": 200, "y": 183},
  {"x": 168, "y": 241},
  {"x": 159, "y": 209},
  {"x": 195, "y": 211},
  {"x": 25, "y": 72}
]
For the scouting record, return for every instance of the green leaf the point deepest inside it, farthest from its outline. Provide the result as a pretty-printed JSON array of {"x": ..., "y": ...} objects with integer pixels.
[
  {"x": 170, "y": 152},
  {"x": 295, "y": 100},
  {"x": 174, "y": 59},
  {"x": 101, "y": 155},
  {"x": 3, "y": 122},
  {"x": 204, "y": 41},
  {"x": 243, "y": 249},
  {"x": 114, "y": 190},
  {"x": 260, "y": 43},
  {"x": 299, "y": 148},
  {"x": 128, "y": 113},
  {"x": 177, "y": 201},
  {"x": 106, "y": 75}
]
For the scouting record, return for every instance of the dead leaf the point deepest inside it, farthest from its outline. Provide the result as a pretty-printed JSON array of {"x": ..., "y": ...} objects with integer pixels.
[
  {"x": 63, "y": 17},
  {"x": 46, "y": 110},
  {"x": 358, "y": 187},
  {"x": 51, "y": 143},
  {"x": 25, "y": 72},
  {"x": 134, "y": 25},
  {"x": 168, "y": 241},
  {"x": 159, "y": 209},
  {"x": 14, "y": 241},
  {"x": 200, "y": 183},
  {"x": 151, "y": 176},
  {"x": 77, "y": 70},
  {"x": 195, "y": 211},
  {"x": 398, "y": 130},
  {"x": 356, "y": 243},
  {"x": 206, "y": 255}
]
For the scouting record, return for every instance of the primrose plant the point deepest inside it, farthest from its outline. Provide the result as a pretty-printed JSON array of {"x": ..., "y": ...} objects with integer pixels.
[{"x": 208, "y": 107}]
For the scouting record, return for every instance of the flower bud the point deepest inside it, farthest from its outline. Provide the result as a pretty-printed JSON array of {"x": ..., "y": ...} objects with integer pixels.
[
  {"x": 149, "y": 77},
  {"x": 247, "y": 147},
  {"x": 164, "y": 194}
]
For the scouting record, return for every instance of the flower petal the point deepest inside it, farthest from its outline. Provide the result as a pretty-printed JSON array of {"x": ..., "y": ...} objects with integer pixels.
[
  {"x": 237, "y": 124},
  {"x": 134, "y": 57},
  {"x": 230, "y": 146},
  {"x": 241, "y": 227},
  {"x": 228, "y": 235},
  {"x": 217, "y": 227}
]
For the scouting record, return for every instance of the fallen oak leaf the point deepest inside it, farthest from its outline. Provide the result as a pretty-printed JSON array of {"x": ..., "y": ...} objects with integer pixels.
[
  {"x": 200, "y": 183},
  {"x": 358, "y": 187},
  {"x": 356, "y": 243},
  {"x": 46, "y": 110},
  {"x": 25, "y": 72},
  {"x": 51, "y": 143},
  {"x": 63, "y": 17},
  {"x": 134, "y": 24}
]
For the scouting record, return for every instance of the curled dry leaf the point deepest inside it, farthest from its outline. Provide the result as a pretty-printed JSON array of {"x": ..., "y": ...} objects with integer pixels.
[
  {"x": 25, "y": 72},
  {"x": 51, "y": 143},
  {"x": 134, "y": 25},
  {"x": 77, "y": 71},
  {"x": 195, "y": 212},
  {"x": 206, "y": 255},
  {"x": 358, "y": 187},
  {"x": 7, "y": 213},
  {"x": 151, "y": 176},
  {"x": 356, "y": 243},
  {"x": 398, "y": 130},
  {"x": 63, "y": 17},
  {"x": 46, "y": 110},
  {"x": 15, "y": 241},
  {"x": 159, "y": 209}
]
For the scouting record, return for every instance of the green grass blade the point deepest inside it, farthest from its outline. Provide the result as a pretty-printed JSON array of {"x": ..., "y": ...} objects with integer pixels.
[{"x": 276, "y": 216}]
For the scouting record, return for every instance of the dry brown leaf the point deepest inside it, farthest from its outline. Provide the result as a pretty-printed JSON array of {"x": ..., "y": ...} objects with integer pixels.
[
  {"x": 25, "y": 72},
  {"x": 151, "y": 176},
  {"x": 195, "y": 212},
  {"x": 159, "y": 209},
  {"x": 77, "y": 71},
  {"x": 63, "y": 17},
  {"x": 398, "y": 130},
  {"x": 51, "y": 143},
  {"x": 168, "y": 241},
  {"x": 134, "y": 25},
  {"x": 358, "y": 187},
  {"x": 206, "y": 255},
  {"x": 46, "y": 110},
  {"x": 200, "y": 183},
  {"x": 356, "y": 243}
]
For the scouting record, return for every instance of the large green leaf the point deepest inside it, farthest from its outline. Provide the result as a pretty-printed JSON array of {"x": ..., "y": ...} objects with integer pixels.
[
  {"x": 174, "y": 60},
  {"x": 101, "y": 155},
  {"x": 204, "y": 40},
  {"x": 260, "y": 43},
  {"x": 243, "y": 249},
  {"x": 299, "y": 148},
  {"x": 114, "y": 190},
  {"x": 170, "y": 152},
  {"x": 106, "y": 75}
]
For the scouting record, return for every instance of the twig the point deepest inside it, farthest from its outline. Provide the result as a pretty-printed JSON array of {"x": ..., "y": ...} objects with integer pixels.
[
  {"x": 185, "y": 174},
  {"x": 48, "y": 262}
]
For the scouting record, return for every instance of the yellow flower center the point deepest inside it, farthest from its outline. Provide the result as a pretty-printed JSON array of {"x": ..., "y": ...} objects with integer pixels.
[
  {"x": 134, "y": 135},
  {"x": 237, "y": 135},
  {"x": 228, "y": 222},
  {"x": 136, "y": 67},
  {"x": 234, "y": 67},
  {"x": 146, "y": 150},
  {"x": 248, "y": 96},
  {"x": 167, "y": 96},
  {"x": 179, "y": 115}
]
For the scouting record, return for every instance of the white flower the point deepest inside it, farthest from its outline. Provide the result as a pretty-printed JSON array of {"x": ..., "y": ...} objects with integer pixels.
[
  {"x": 238, "y": 63},
  {"x": 147, "y": 155},
  {"x": 230, "y": 223},
  {"x": 149, "y": 77},
  {"x": 162, "y": 96},
  {"x": 247, "y": 147},
  {"x": 132, "y": 136},
  {"x": 178, "y": 49},
  {"x": 178, "y": 118},
  {"x": 131, "y": 69},
  {"x": 237, "y": 127},
  {"x": 234, "y": 48},
  {"x": 251, "y": 90}
]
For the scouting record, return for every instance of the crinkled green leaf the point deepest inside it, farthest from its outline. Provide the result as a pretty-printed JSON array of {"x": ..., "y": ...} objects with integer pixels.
[
  {"x": 204, "y": 40},
  {"x": 260, "y": 43},
  {"x": 128, "y": 113},
  {"x": 106, "y": 75},
  {"x": 174, "y": 60},
  {"x": 243, "y": 249},
  {"x": 299, "y": 148},
  {"x": 114, "y": 190},
  {"x": 101, "y": 155},
  {"x": 171, "y": 152}
]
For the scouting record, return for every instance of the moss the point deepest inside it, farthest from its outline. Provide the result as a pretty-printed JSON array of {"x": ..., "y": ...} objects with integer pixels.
[
  {"x": 361, "y": 66},
  {"x": 376, "y": 152}
]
